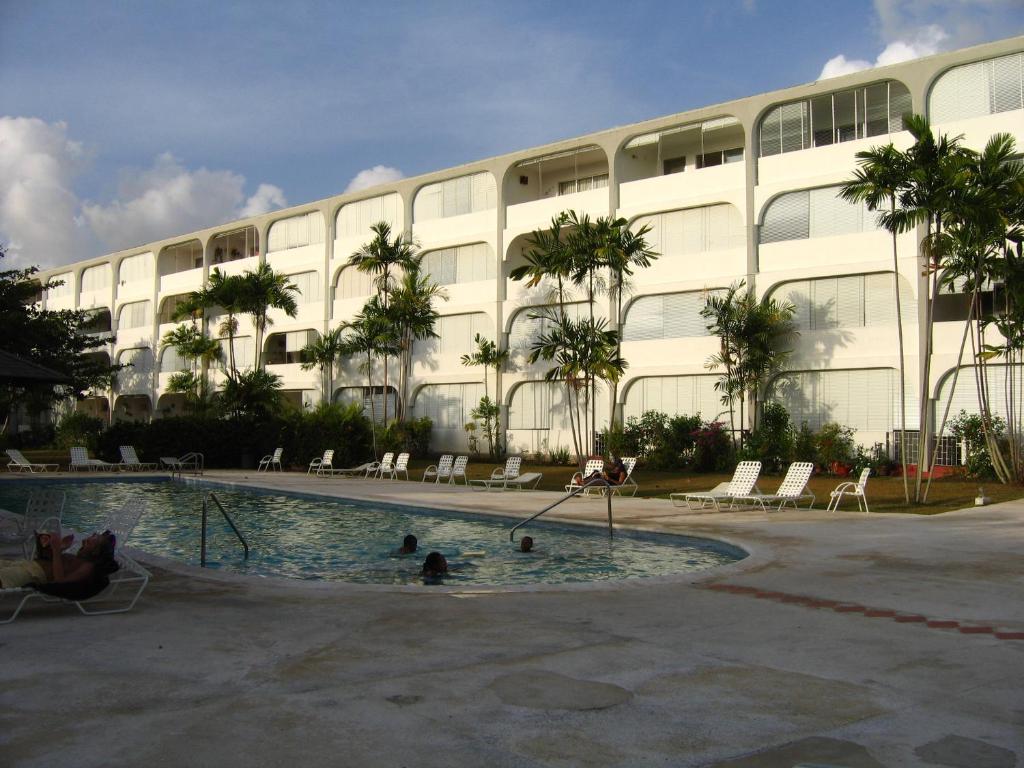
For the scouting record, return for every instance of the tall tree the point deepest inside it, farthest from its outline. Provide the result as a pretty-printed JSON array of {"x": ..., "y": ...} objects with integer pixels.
[
  {"x": 194, "y": 345},
  {"x": 383, "y": 257},
  {"x": 877, "y": 182},
  {"x": 414, "y": 318},
  {"x": 323, "y": 354},
  {"x": 489, "y": 356},
  {"x": 263, "y": 290},
  {"x": 227, "y": 293}
]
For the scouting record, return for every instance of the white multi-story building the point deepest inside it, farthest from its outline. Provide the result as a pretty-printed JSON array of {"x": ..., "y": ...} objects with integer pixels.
[{"x": 740, "y": 190}]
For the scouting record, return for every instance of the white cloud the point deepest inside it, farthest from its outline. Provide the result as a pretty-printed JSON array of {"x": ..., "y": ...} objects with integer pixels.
[
  {"x": 922, "y": 42},
  {"x": 38, "y": 163},
  {"x": 371, "y": 177},
  {"x": 43, "y": 221}
]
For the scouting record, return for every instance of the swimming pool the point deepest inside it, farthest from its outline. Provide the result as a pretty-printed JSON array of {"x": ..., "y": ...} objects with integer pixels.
[{"x": 326, "y": 539}]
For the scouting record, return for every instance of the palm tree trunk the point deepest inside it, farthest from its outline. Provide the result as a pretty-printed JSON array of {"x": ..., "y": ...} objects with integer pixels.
[{"x": 903, "y": 373}]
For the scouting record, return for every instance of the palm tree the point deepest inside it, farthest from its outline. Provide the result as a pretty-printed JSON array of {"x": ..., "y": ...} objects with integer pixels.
[
  {"x": 263, "y": 290},
  {"x": 877, "y": 182},
  {"x": 382, "y": 256},
  {"x": 369, "y": 333},
  {"x": 414, "y": 317},
  {"x": 548, "y": 255},
  {"x": 489, "y": 356},
  {"x": 228, "y": 293},
  {"x": 196, "y": 346},
  {"x": 322, "y": 354}
]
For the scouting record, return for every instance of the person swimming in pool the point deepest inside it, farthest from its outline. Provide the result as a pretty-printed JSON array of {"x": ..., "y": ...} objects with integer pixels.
[
  {"x": 526, "y": 545},
  {"x": 435, "y": 566},
  {"x": 409, "y": 544}
]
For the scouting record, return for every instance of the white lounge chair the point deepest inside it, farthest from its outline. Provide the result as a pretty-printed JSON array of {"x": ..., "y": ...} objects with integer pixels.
[
  {"x": 628, "y": 483},
  {"x": 43, "y": 512},
  {"x": 122, "y": 521},
  {"x": 386, "y": 465},
  {"x": 130, "y": 460},
  {"x": 190, "y": 462},
  {"x": 80, "y": 460},
  {"x": 500, "y": 474},
  {"x": 742, "y": 484},
  {"x": 271, "y": 461},
  {"x": 443, "y": 468},
  {"x": 366, "y": 469},
  {"x": 858, "y": 490},
  {"x": 323, "y": 464},
  {"x": 20, "y": 463},
  {"x": 526, "y": 480},
  {"x": 580, "y": 480},
  {"x": 792, "y": 489},
  {"x": 120, "y": 595},
  {"x": 459, "y": 470}
]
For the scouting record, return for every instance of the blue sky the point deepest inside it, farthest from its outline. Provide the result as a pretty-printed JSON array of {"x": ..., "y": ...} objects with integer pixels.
[{"x": 124, "y": 122}]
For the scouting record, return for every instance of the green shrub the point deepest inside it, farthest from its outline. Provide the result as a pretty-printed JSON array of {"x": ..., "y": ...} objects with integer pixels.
[
  {"x": 772, "y": 443},
  {"x": 305, "y": 435},
  {"x": 713, "y": 448},
  {"x": 804, "y": 446},
  {"x": 407, "y": 436},
  {"x": 560, "y": 456},
  {"x": 969, "y": 427},
  {"x": 834, "y": 446},
  {"x": 79, "y": 429}
]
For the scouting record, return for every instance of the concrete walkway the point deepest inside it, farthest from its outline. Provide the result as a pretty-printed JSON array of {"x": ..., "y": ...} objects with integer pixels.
[{"x": 847, "y": 639}]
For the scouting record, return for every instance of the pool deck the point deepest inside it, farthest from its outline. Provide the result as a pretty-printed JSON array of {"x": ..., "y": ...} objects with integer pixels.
[{"x": 844, "y": 639}]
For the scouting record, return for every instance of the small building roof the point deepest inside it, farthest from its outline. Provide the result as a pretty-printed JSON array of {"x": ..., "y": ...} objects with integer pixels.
[{"x": 14, "y": 368}]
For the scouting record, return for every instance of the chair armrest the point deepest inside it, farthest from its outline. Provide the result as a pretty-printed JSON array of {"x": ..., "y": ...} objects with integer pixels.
[{"x": 844, "y": 488}]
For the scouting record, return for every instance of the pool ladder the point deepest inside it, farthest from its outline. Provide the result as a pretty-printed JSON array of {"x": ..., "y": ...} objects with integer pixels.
[
  {"x": 202, "y": 546},
  {"x": 574, "y": 492}
]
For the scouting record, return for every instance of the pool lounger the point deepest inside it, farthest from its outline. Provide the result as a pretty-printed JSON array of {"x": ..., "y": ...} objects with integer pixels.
[
  {"x": 126, "y": 585},
  {"x": 527, "y": 479},
  {"x": 743, "y": 483}
]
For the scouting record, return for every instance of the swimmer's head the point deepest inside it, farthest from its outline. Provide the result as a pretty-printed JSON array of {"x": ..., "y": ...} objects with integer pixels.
[
  {"x": 526, "y": 544},
  {"x": 435, "y": 565},
  {"x": 409, "y": 543}
]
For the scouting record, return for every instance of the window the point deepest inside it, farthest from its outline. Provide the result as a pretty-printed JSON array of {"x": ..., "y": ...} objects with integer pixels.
[
  {"x": 96, "y": 278},
  {"x": 134, "y": 315},
  {"x": 238, "y": 244},
  {"x": 530, "y": 323},
  {"x": 585, "y": 184},
  {"x": 666, "y": 316},
  {"x": 245, "y": 353},
  {"x": 981, "y": 88},
  {"x": 455, "y": 197},
  {"x": 296, "y": 231},
  {"x": 353, "y": 284},
  {"x": 673, "y": 165},
  {"x": 676, "y": 396},
  {"x": 544, "y": 405},
  {"x": 1001, "y": 381},
  {"x": 136, "y": 268},
  {"x": 694, "y": 230},
  {"x": 373, "y": 408},
  {"x": 286, "y": 348},
  {"x": 865, "y": 399},
  {"x": 168, "y": 307},
  {"x": 64, "y": 289},
  {"x": 181, "y": 257},
  {"x": 172, "y": 362},
  {"x": 448, "y": 405},
  {"x": 137, "y": 376},
  {"x": 850, "y": 301},
  {"x": 813, "y": 213},
  {"x": 455, "y": 335},
  {"x": 355, "y": 219},
  {"x": 463, "y": 264},
  {"x": 834, "y": 117},
  {"x": 308, "y": 284},
  {"x": 720, "y": 157}
]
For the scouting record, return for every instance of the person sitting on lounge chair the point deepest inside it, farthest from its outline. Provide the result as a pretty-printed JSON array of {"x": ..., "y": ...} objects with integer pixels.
[
  {"x": 616, "y": 474},
  {"x": 74, "y": 577}
]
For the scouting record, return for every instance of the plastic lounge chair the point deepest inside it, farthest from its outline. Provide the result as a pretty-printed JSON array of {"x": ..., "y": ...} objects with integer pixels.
[
  {"x": 122, "y": 521},
  {"x": 120, "y": 595},
  {"x": 190, "y": 462},
  {"x": 580, "y": 480},
  {"x": 389, "y": 466},
  {"x": 526, "y": 480},
  {"x": 628, "y": 483},
  {"x": 322, "y": 465},
  {"x": 742, "y": 484},
  {"x": 271, "y": 461},
  {"x": 500, "y": 474},
  {"x": 80, "y": 460},
  {"x": 130, "y": 460},
  {"x": 856, "y": 489},
  {"x": 401, "y": 466},
  {"x": 384, "y": 465},
  {"x": 362, "y": 469},
  {"x": 19, "y": 462},
  {"x": 43, "y": 512},
  {"x": 459, "y": 470},
  {"x": 791, "y": 490},
  {"x": 443, "y": 468}
]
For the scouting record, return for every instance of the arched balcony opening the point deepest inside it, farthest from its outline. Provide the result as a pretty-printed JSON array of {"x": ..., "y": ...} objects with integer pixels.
[
  {"x": 238, "y": 244},
  {"x": 97, "y": 322},
  {"x": 181, "y": 257},
  {"x": 95, "y": 406},
  {"x": 133, "y": 409},
  {"x": 172, "y": 404},
  {"x": 371, "y": 400},
  {"x": 286, "y": 348},
  {"x": 168, "y": 307},
  {"x": 682, "y": 149}
]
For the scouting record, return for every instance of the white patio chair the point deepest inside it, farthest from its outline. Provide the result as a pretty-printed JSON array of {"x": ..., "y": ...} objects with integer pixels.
[
  {"x": 459, "y": 470},
  {"x": 130, "y": 460},
  {"x": 80, "y": 460},
  {"x": 443, "y": 468},
  {"x": 580, "y": 480},
  {"x": 322, "y": 465},
  {"x": 628, "y": 483},
  {"x": 499, "y": 475},
  {"x": 387, "y": 465},
  {"x": 743, "y": 481},
  {"x": 791, "y": 490},
  {"x": 856, "y": 489},
  {"x": 43, "y": 512},
  {"x": 271, "y": 461},
  {"x": 20, "y": 463}
]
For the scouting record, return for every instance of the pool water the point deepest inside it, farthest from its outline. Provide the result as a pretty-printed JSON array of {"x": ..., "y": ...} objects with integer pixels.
[{"x": 337, "y": 540}]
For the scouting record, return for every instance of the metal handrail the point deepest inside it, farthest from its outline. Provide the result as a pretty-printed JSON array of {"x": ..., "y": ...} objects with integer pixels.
[
  {"x": 202, "y": 546},
  {"x": 195, "y": 460},
  {"x": 600, "y": 481}
]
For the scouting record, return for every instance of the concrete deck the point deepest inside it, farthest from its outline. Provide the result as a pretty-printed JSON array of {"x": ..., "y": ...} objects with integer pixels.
[{"x": 846, "y": 640}]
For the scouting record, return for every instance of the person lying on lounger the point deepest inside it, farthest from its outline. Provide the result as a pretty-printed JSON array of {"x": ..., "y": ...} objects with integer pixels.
[
  {"x": 616, "y": 474},
  {"x": 54, "y": 572}
]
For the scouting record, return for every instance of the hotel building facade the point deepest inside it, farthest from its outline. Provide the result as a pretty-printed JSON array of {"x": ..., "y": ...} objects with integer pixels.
[{"x": 744, "y": 190}]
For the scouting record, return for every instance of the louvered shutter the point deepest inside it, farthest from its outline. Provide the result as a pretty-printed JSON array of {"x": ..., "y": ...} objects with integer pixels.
[
  {"x": 795, "y": 126},
  {"x": 644, "y": 319},
  {"x": 686, "y": 230},
  {"x": 850, "y": 301},
  {"x": 879, "y": 300},
  {"x": 1005, "y": 83},
  {"x": 960, "y": 93},
  {"x": 770, "y": 135},
  {"x": 786, "y": 218}
]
